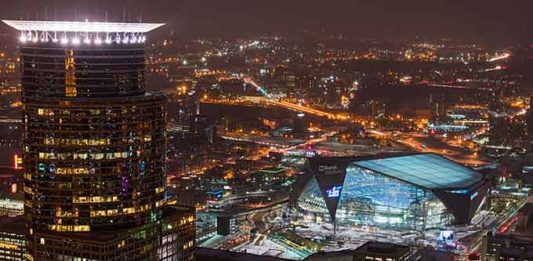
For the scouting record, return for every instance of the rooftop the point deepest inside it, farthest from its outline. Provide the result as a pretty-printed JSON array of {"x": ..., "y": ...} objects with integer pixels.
[
  {"x": 382, "y": 248},
  {"x": 424, "y": 170},
  {"x": 77, "y": 26},
  {"x": 336, "y": 255},
  {"x": 435, "y": 255},
  {"x": 272, "y": 170},
  {"x": 209, "y": 254}
]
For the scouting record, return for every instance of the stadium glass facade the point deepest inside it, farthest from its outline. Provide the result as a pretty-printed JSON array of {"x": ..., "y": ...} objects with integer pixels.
[
  {"x": 398, "y": 192},
  {"x": 368, "y": 198}
]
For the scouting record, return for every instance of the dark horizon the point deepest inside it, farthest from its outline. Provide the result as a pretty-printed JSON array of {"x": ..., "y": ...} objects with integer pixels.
[{"x": 476, "y": 20}]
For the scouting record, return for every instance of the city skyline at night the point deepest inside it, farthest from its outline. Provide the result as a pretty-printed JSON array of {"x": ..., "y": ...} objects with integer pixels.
[{"x": 266, "y": 130}]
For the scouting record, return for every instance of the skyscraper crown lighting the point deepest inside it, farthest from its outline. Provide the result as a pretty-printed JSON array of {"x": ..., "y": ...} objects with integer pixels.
[
  {"x": 77, "y": 26},
  {"x": 76, "y": 32}
]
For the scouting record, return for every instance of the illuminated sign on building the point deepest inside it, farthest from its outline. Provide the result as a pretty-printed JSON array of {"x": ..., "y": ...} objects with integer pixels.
[
  {"x": 462, "y": 191},
  {"x": 17, "y": 162},
  {"x": 330, "y": 170},
  {"x": 466, "y": 191},
  {"x": 334, "y": 192},
  {"x": 447, "y": 238}
]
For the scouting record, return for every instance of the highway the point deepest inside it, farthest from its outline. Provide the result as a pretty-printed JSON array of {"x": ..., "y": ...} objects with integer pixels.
[{"x": 292, "y": 106}]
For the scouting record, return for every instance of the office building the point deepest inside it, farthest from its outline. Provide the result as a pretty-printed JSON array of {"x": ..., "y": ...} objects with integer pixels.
[{"x": 95, "y": 146}]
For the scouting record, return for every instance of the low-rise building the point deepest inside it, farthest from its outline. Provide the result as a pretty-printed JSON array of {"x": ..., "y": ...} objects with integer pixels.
[
  {"x": 382, "y": 251},
  {"x": 12, "y": 238},
  {"x": 516, "y": 247}
]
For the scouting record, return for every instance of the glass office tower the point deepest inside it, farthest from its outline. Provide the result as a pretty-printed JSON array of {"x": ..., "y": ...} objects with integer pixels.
[{"x": 95, "y": 146}]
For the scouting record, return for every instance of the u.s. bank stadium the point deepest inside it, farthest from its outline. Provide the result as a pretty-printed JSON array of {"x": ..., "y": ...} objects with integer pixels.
[{"x": 414, "y": 191}]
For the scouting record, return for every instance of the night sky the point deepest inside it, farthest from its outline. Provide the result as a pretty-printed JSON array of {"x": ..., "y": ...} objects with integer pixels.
[{"x": 505, "y": 21}]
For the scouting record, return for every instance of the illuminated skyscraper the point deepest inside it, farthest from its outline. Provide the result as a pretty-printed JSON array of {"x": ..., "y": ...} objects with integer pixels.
[{"x": 95, "y": 146}]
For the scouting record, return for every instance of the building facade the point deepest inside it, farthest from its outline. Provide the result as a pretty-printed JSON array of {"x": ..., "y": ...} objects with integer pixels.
[
  {"x": 12, "y": 238},
  {"x": 412, "y": 192},
  {"x": 517, "y": 247},
  {"x": 94, "y": 145}
]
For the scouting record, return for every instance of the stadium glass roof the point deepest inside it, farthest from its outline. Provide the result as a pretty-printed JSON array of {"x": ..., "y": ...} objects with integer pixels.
[
  {"x": 75, "y": 26},
  {"x": 425, "y": 170}
]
